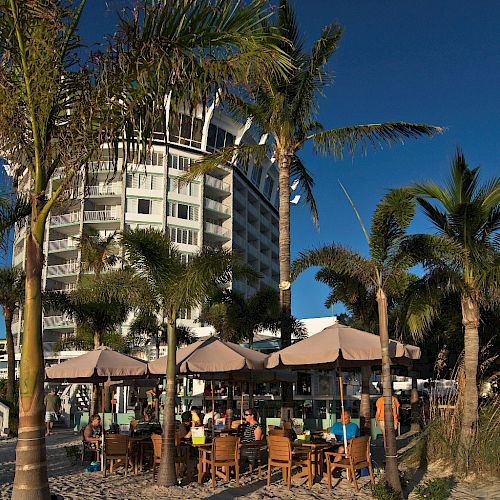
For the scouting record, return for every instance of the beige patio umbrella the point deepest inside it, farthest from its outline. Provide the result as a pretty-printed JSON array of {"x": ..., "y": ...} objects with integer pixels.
[
  {"x": 336, "y": 347},
  {"x": 97, "y": 366},
  {"x": 215, "y": 359}
]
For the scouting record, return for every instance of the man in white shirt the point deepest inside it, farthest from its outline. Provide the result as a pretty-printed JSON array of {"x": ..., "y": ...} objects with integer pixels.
[{"x": 210, "y": 417}]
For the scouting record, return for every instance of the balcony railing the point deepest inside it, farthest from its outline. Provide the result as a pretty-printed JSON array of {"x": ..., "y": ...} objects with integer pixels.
[
  {"x": 100, "y": 215},
  {"x": 61, "y": 269},
  {"x": 57, "y": 322},
  {"x": 104, "y": 189},
  {"x": 212, "y": 181},
  {"x": 218, "y": 230},
  {"x": 59, "y": 220},
  {"x": 216, "y": 206},
  {"x": 66, "y": 243}
]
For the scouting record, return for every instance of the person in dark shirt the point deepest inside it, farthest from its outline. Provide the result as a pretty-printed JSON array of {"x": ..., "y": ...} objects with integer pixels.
[
  {"x": 185, "y": 428},
  {"x": 148, "y": 425}
]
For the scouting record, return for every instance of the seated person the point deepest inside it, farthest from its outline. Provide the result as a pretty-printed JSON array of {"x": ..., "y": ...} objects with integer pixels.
[
  {"x": 351, "y": 431},
  {"x": 148, "y": 425},
  {"x": 251, "y": 434},
  {"x": 196, "y": 416},
  {"x": 210, "y": 417},
  {"x": 185, "y": 427},
  {"x": 92, "y": 432}
]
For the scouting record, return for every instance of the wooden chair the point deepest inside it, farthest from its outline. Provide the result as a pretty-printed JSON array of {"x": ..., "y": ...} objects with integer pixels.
[
  {"x": 223, "y": 454},
  {"x": 116, "y": 447},
  {"x": 257, "y": 446},
  {"x": 358, "y": 456},
  {"x": 281, "y": 455},
  {"x": 86, "y": 448},
  {"x": 180, "y": 458},
  {"x": 278, "y": 431}
]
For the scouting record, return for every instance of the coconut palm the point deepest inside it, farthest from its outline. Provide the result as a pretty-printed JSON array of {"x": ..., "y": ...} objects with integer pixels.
[
  {"x": 97, "y": 253},
  {"x": 11, "y": 297},
  {"x": 57, "y": 111},
  {"x": 463, "y": 257},
  {"x": 176, "y": 285},
  {"x": 380, "y": 275},
  {"x": 285, "y": 109}
]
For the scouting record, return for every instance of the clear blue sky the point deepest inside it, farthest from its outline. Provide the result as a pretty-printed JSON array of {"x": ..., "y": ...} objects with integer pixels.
[{"x": 426, "y": 62}]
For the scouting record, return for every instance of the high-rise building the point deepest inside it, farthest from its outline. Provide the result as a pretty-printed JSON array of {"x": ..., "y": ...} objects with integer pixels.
[{"x": 233, "y": 208}]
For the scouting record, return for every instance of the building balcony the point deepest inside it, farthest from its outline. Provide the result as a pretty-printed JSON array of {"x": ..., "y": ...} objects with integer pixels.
[
  {"x": 217, "y": 207},
  {"x": 62, "y": 269},
  {"x": 63, "y": 244},
  {"x": 113, "y": 189},
  {"x": 64, "y": 219},
  {"x": 218, "y": 184},
  {"x": 218, "y": 231},
  {"x": 101, "y": 215},
  {"x": 58, "y": 322}
]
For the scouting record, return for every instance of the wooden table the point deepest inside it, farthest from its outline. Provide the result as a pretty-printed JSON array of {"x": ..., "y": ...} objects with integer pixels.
[
  {"x": 137, "y": 444},
  {"x": 317, "y": 457}
]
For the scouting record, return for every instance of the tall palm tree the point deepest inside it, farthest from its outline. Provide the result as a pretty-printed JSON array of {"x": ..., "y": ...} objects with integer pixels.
[
  {"x": 463, "y": 257},
  {"x": 97, "y": 253},
  {"x": 381, "y": 274},
  {"x": 11, "y": 297},
  {"x": 175, "y": 285},
  {"x": 55, "y": 115},
  {"x": 285, "y": 108}
]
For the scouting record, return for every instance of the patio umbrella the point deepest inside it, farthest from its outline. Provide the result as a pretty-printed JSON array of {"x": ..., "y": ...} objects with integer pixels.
[
  {"x": 336, "y": 347},
  {"x": 97, "y": 366},
  {"x": 215, "y": 359}
]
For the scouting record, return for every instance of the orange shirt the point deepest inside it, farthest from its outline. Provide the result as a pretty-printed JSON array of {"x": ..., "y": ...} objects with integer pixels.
[{"x": 395, "y": 408}]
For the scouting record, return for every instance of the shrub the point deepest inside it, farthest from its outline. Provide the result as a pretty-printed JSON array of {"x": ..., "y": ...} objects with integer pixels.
[
  {"x": 382, "y": 491},
  {"x": 434, "y": 489}
]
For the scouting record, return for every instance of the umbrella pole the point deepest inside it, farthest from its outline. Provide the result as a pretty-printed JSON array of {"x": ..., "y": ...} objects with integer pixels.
[
  {"x": 102, "y": 430},
  {"x": 242, "y": 400},
  {"x": 213, "y": 407},
  {"x": 341, "y": 385}
]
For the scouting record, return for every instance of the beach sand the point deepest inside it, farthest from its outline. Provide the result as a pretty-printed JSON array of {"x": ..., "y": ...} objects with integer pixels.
[{"x": 71, "y": 482}]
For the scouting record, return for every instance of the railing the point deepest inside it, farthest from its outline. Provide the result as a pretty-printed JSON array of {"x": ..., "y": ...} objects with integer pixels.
[
  {"x": 66, "y": 289},
  {"x": 212, "y": 181},
  {"x": 57, "y": 321},
  {"x": 60, "y": 269},
  {"x": 61, "y": 244},
  {"x": 104, "y": 189},
  {"x": 216, "y": 206},
  {"x": 100, "y": 215},
  {"x": 215, "y": 229},
  {"x": 59, "y": 220},
  {"x": 18, "y": 258}
]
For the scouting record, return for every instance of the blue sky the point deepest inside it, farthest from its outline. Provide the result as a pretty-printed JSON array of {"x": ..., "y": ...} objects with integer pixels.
[{"x": 425, "y": 62}]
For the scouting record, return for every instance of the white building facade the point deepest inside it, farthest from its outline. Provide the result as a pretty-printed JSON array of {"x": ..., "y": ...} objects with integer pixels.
[{"x": 233, "y": 208}]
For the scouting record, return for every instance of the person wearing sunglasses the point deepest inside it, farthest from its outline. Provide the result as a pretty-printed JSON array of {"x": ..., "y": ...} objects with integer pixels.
[{"x": 252, "y": 433}]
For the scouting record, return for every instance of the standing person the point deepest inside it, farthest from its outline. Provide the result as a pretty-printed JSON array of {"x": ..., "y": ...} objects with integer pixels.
[
  {"x": 52, "y": 407},
  {"x": 379, "y": 416}
]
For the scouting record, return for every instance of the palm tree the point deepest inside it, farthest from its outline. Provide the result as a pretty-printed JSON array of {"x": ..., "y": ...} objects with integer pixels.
[
  {"x": 285, "y": 108},
  {"x": 97, "y": 253},
  {"x": 56, "y": 114},
  {"x": 176, "y": 285},
  {"x": 463, "y": 257},
  {"x": 381, "y": 275},
  {"x": 11, "y": 297}
]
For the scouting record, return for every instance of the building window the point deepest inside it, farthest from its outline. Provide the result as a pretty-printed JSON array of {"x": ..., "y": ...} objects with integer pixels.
[
  {"x": 186, "y": 130},
  {"x": 183, "y": 236},
  {"x": 179, "y": 162},
  {"x": 183, "y": 211},
  {"x": 143, "y": 206},
  {"x": 256, "y": 174},
  {"x": 189, "y": 188},
  {"x": 185, "y": 314},
  {"x": 218, "y": 138},
  {"x": 268, "y": 187}
]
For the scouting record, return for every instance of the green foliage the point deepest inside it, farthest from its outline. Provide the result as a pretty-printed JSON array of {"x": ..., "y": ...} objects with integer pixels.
[
  {"x": 11, "y": 288},
  {"x": 382, "y": 491},
  {"x": 433, "y": 489},
  {"x": 98, "y": 254}
]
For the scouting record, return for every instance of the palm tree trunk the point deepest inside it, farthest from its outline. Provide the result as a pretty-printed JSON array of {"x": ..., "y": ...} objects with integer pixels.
[
  {"x": 11, "y": 360},
  {"x": 31, "y": 481},
  {"x": 364, "y": 407},
  {"x": 284, "y": 161},
  {"x": 167, "y": 475},
  {"x": 470, "y": 320},
  {"x": 391, "y": 461}
]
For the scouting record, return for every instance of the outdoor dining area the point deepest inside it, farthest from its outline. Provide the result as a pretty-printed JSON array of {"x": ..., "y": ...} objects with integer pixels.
[{"x": 219, "y": 445}]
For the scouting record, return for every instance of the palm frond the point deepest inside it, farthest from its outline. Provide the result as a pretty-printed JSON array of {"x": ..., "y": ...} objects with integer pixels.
[
  {"x": 298, "y": 171},
  {"x": 335, "y": 141}
]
